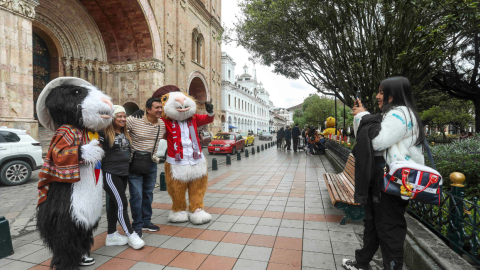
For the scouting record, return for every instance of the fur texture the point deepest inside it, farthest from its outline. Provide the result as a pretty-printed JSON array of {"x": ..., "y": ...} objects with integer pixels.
[
  {"x": 71, "y": 212},
  {"x": 189, "y": 173},
  {"x": 177, "y": 190},
  {"x": 87, "y": 198},
  {"x": 95, "y": 105},
  {"x": 178, "y": 217},
  {"x": 200, "y": 217},
  {"x": 92, "y": 152},
  {"x": 67, "y": 241},
  {"x": 170, "y": 105}
]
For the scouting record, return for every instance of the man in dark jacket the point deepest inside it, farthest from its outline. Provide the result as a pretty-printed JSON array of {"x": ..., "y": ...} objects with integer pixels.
[
  {"x": 295, "y": 135},
  {"x": 288, "y": 138},
  {"x": 280, "y": 135}
]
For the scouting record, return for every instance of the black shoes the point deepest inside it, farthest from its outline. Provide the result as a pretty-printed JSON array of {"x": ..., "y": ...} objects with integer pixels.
[
  {"x": 150, "y": 227},
  {"x": 86, "y": 261}
]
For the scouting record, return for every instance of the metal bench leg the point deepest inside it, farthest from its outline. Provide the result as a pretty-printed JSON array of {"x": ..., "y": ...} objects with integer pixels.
[{"x": 344, "y": 220}]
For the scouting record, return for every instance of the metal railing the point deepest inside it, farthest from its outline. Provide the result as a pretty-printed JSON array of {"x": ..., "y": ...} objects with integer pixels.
[
  {"x": 341, "y": 151},
  {"x": 456, "y": 220}
]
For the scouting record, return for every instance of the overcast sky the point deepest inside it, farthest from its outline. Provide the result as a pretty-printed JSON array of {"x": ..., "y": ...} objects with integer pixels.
[{"x": 283, "y": 92}]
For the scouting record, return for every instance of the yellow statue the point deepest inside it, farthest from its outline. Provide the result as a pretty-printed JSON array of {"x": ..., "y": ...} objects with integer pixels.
[{"x": 330, "y": 127}]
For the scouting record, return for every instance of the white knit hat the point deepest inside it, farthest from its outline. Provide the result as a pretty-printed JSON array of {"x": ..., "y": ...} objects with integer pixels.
[{"x": 117, "y": 109}]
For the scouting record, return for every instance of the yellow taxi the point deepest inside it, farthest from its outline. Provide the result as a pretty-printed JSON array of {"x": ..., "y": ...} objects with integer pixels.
[{"x": 249, "y": 139}]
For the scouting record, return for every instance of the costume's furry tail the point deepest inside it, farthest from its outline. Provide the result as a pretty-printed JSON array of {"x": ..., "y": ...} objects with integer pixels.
[{"x": 58, "y": 231}]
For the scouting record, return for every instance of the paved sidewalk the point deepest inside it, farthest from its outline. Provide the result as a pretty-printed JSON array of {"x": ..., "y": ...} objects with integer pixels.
[{"x": 271, "y": 211}]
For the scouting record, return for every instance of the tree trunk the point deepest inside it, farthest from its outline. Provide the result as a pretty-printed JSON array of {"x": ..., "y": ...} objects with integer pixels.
[{"x": 476, "y": 102}]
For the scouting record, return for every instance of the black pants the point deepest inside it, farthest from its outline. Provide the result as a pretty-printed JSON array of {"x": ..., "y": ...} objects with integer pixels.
[
  {"x": 115, "y": 187},
  {"x": 279, "y": 143},
  {"x": 295, "y": 144},
  {"x": 385, "y": 225},
  {"x": 288, "y": 142}
]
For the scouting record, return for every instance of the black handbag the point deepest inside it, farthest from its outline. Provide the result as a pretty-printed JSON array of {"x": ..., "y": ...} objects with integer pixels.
[{"x": 142, "y": 159}]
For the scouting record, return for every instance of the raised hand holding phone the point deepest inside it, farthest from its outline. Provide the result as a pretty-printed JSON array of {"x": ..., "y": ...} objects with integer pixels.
[{"x": 358, "y": 107}]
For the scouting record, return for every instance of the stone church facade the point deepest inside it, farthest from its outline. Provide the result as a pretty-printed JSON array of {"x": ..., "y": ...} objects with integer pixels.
[{"x": 127, "y": 48}]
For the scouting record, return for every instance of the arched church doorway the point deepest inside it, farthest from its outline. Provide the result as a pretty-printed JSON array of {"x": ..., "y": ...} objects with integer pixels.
[
  {"x": 198, "y": 89},
  {"x": 41, "y": 67},
  {"x": 130, "y": 107}
]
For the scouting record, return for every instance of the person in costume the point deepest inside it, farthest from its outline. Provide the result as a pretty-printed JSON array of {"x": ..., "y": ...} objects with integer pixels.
[
  {"x": 185, "y": 166},
  {"x": 70, "y": 182},
  {"x": 116, "y": 144},
  {"x": 330, "y": 127}
]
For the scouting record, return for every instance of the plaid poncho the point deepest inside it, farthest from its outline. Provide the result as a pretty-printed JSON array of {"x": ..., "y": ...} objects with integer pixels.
[{"x": 62, "y": 161}]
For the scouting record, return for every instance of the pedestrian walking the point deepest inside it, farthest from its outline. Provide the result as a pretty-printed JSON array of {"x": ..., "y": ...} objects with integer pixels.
[
  {"x": 288, "y": 138},
  {"x": 115, "y": 141},
  {"x": 395, "y": 134},
  {"x": 295, "y": 136},
  {"x": 145, "y": 132},
  {"x": 280, "y": 135}
]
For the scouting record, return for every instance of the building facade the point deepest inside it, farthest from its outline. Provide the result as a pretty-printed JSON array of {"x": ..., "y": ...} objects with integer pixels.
[
  {"x": 127, "y": 48},
  {"x": 245, "y": 102}
]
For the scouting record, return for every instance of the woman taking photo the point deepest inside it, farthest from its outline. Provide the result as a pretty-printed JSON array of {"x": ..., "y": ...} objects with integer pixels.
[
  {"x": 394, "y": 135},
  {"x": 116, "y": 144}
]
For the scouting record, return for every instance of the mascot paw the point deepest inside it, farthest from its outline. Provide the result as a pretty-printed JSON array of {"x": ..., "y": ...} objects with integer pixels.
[
  {"x": 92, "y": 152},
  {"x": 178, "y": 217},
  {"x": 200, "y": 217}
]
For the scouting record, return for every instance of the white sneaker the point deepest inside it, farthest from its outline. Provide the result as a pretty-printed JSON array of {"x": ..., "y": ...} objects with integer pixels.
[
  {"x": 135, "y": 241},
  {"x": 116, "y": 239}
]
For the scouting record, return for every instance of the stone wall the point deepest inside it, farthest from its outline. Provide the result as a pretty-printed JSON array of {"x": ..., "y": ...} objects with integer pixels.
[{"x": 16, "y": 68}]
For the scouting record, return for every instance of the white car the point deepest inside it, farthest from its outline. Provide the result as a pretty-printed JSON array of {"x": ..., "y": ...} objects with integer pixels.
[{"x": 20, "y": 154}]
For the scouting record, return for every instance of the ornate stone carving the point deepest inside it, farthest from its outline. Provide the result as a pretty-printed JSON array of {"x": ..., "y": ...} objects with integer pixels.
[
  {"x": 183, "y": 4},
  {"x": 140, "y": 65},
  {"x": 130, "y": 86},
  {"x": 169, "y": 50},
  {"x": 89, "y": 65},
  {"x": 25, "y": 8},
  {"x": 182, "y": 57}
]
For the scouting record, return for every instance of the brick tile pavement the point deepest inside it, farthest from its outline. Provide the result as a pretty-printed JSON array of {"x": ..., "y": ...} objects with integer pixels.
[{"x": 270, "y": 211}]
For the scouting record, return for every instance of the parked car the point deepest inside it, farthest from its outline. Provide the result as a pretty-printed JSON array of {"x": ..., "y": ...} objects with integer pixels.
[
  {"x": 20, "y": 154},
  {"x": 265, "y": 135},
  {"x": 249, "y": 138},
  {"x": 205, "y": 137},
  {"x": 227, "y": 143}
]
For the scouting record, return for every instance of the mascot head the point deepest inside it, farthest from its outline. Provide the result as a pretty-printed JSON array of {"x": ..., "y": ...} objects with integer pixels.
[
  {"x": 176, "y": 105},
  {"x": 330, "y": 122},
  {"x": 73, "y": 101}
]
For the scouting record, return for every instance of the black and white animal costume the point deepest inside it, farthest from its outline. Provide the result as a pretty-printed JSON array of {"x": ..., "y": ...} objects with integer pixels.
[{"x": 70, "y": 185}]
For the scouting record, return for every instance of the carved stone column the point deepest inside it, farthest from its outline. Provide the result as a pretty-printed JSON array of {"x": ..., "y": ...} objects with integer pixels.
[
  {"x": 135, "y": 81},
  {"x": 16, "y": 74}
]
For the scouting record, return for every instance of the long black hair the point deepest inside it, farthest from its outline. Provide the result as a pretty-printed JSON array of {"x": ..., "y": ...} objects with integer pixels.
[{"x": 400, "y": 89}]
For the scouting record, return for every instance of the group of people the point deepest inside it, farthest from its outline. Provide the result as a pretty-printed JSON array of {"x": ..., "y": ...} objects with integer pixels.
[
  {"x": 308, "y": 139},
  {"x": 119, "y": 140}
]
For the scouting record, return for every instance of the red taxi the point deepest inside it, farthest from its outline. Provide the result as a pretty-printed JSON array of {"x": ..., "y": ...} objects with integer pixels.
[{"x": 227, "y": 143}]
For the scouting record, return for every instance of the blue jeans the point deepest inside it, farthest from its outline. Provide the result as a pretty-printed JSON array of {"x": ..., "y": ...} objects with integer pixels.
[{"x": 141, "y": 196}]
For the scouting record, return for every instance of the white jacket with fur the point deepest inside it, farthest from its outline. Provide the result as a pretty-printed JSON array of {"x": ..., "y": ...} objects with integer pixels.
[{"x": 398, "y": 134}]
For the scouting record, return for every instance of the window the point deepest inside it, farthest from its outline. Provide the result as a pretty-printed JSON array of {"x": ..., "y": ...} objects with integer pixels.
[
  {"x": 197, "y": 47},
  {"x": 228, "y": 100},
  {"x": 235, "y": 103},
  {"x": 229, "y": 74},
  {"x": 10, "y": 136}
]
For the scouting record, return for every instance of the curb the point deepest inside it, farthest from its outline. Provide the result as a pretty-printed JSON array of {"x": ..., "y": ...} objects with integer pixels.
[{"x": 425, "y": 251}]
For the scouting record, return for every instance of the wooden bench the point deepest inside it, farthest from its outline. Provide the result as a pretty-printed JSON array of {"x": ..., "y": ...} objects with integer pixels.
[{"x": 341, "y": 188}]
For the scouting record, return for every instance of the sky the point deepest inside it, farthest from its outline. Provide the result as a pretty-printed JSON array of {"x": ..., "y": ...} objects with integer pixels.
[{"x": 283, "y": 92}]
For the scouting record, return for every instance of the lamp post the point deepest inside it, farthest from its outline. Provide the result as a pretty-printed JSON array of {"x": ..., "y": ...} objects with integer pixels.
[{"x": 335, "y": 113}]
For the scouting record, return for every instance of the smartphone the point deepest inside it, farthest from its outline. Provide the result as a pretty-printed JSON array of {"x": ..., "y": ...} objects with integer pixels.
[{"x": 359, "y": 96}]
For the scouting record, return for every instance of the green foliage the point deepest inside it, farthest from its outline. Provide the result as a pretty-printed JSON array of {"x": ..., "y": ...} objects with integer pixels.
[
  {"x": 453, "y": 111},
  {"x": 339, "y": 46},
  {"x": 459, "y": 156},
  {"x": 316, "y": 110}
]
